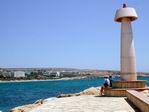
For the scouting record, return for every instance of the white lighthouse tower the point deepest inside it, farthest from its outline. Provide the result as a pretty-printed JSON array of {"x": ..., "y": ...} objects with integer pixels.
[{"x": 125, "y": 16}]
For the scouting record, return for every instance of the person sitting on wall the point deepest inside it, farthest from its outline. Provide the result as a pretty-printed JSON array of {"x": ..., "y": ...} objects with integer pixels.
[{"x": 106, "y": 84}]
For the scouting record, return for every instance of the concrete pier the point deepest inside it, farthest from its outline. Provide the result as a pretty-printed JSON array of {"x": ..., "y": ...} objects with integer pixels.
[{"x": 86, "y": 104}]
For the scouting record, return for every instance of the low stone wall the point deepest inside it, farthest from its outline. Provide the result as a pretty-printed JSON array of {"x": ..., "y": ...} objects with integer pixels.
[
  {"x": 121, "y": 92},
  {"x": 129, "y": 84},
  {"x": 139, "y": 100},
  {"x": 115, "y": 92}
]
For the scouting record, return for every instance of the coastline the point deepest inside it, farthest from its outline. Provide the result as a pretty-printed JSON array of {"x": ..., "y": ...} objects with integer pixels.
[
  {"x": 38, "y": 80},
  {"x": 66, "y": 78}
]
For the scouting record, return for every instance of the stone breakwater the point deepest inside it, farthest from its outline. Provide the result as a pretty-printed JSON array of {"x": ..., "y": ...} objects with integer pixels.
[
  {"x": 27, "y": 108},
  {"x": 85, "y": 103},
  {"x": 89, "y": 91},
  {"x": 38, "y": 103}
]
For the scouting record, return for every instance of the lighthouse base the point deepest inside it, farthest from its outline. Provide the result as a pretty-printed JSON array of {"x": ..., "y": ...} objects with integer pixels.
[{"x": 119, "y": 88}]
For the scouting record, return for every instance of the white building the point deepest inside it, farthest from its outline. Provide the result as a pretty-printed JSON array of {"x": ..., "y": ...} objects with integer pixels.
[
  {"x": 55, "y": 74},
  {"x": 58, "y": 74},
  {"x": 7, "y": 74},
  {"x": 19, "y": 74}
]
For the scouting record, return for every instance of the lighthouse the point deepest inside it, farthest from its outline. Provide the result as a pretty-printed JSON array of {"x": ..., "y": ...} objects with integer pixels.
[
  {"x": 128, "y": 74},
  {"x": 125, "y": 16}
]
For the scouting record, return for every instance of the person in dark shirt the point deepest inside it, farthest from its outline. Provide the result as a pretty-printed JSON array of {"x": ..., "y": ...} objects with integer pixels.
[{"x": 110, "y": 78}]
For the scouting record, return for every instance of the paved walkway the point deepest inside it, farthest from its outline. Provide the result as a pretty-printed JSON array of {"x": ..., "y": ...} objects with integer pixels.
[{"x": 85, "y": 104}]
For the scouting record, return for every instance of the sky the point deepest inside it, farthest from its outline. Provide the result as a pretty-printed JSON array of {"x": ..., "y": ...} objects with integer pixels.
[{"x": 69, "y": 33}]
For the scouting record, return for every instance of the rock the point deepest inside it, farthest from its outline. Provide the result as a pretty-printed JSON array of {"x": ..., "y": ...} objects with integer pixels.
[
  {"x": 146, "y": 92},
  {"x": 41, "y": 101},
  {"x": 17, "y": 110},
  {"x": 24, "y": 108},
  {"x": 89, "y": 91},
  {"x": 28, "y": 107},
  {"x": 66, "y": 95}
]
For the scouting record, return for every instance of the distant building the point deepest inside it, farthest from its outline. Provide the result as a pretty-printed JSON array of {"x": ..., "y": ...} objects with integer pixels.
[
  {"x": 69, "y": 73},
  {"x": 55, "y": 74},
  {"x": 7, "y": 74},
  {"x": 19, "y": 74},
  {"x": 58, "y": 74}
]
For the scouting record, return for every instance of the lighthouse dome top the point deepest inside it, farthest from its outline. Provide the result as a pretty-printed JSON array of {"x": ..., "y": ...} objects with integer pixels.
[{"x": 125, "y": 12}]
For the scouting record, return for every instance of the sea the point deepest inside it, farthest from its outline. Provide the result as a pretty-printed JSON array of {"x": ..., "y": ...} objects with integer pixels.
[{"x": 21, "y": 93}]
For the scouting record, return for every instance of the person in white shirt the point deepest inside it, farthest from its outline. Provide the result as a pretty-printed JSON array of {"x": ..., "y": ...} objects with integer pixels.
[{"x": 105, "y": 85}]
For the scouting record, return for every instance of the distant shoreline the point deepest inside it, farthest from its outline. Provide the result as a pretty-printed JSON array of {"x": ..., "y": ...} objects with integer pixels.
[
  {"x": 38, "y": 80},
  {"x": 66, "y": 78}
]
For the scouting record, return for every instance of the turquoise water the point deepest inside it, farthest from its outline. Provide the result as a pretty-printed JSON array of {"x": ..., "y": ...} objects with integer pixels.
[{"x": 20, "y": 93}]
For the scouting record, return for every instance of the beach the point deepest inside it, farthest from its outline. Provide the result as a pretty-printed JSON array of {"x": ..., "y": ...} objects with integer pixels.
[{"x": 36, "y": 80}]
